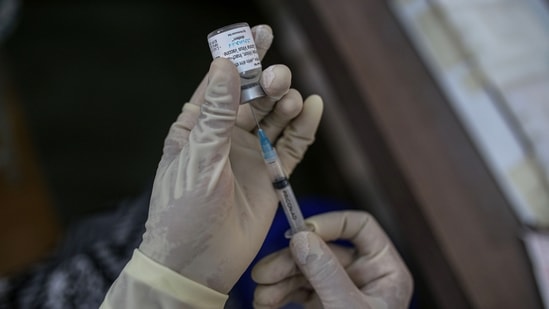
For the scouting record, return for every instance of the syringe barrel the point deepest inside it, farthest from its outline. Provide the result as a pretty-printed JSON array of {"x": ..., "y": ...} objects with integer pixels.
[
  {"x": 286, "y": 195},
  {"x": 281, "y": 185},
  {"x": 275, "y": 170},
  {"x": 291, "y": 209}
]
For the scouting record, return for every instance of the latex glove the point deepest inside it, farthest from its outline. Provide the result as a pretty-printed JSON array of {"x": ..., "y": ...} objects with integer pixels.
[
  {"x": 320, "y": 275},
  {"x": 212, "y": 201}
]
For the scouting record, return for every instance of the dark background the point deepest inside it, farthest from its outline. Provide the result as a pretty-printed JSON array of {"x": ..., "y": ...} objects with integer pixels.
[{"x": 100, "y": 82}]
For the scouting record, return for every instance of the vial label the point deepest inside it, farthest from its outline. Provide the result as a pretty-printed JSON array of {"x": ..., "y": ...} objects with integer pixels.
[{"x": 238, "y": 46}]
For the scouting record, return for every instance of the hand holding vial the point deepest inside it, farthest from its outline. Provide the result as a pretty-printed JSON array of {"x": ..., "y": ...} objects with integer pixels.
[{"x": 212, "y": 201}]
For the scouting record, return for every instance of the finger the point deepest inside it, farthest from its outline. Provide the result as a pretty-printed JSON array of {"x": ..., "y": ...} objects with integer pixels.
[
  {"x": 278, "y": 294},
  {"x": 209, "y": 140},
  {"x": 299, "y": 134},
  {"x": 379, "y": 269},
  {"x": 300, "y": 296},
  {"x": 282, "y": 114},
  {"x": 385, "y": 269},
  {"x": 263, "y": 38},
  {"x": 344, "y": 255},
  {"x": 275, "y": 267},
  {"x": 178, "y": 135},
  {"x": 280, "y": 265},
  {"x": 275, "y": 81},
  {"x": 359, "y": 227},
  {"x": 392, "y": 288},
  {"x": 321, "y": 268}
]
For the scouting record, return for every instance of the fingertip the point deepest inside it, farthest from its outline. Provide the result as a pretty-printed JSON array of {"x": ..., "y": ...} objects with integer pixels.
[
  {"x": 264, "y": 297},
  {"x": 305, "y": 247},
  {"x": 321, "y": 267},
  {"x": 261, "y": 270},
  {"x": 315, "y": 99},
  {"x": 273, "y": 268},
  {"x": 315, "y": 103},
  {"x": 256, "y": 276},
  {"x": 276, "y": 81},
  {"x": 263, "y": 38},
  {"x": 311, "y": 115}
]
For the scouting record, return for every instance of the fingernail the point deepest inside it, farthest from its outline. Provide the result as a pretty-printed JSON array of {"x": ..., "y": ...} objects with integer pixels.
[{"x": 306, "y": 247}]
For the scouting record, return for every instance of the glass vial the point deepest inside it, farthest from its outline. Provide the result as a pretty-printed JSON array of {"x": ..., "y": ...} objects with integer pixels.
[{"x": 236, "y": 43}]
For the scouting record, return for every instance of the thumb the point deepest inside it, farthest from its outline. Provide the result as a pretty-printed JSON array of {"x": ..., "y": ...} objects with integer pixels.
[
  {"x": 323, "y": 270},
  {"x": 209, "y": 140},
  {"x": 221, "y": 100}
]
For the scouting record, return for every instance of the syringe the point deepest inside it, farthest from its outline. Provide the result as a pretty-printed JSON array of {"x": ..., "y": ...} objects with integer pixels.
[{"x": 280, "y": 182}]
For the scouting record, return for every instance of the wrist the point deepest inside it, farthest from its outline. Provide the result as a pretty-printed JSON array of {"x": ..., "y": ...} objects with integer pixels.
[{"x": 168, "y": 281}]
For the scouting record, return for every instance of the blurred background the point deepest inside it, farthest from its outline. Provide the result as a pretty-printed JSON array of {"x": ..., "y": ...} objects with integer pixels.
[{"x": 435, "y": 121}]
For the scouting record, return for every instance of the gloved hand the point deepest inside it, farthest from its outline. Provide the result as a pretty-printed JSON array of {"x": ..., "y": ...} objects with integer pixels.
[
  {"x": 320, "y": 275},
  {"x": 212, "y": 201}
]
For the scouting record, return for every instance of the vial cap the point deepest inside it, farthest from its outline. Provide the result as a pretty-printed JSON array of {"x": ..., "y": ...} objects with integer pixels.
[{"x": 251, "y": 93}]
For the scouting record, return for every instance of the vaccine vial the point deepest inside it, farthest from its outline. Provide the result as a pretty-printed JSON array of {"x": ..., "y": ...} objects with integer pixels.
[{"x": 236, "y": 43}]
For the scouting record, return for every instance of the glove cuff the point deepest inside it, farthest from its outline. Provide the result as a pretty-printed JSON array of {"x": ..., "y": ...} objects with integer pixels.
[{"x": 165, "y": 280}]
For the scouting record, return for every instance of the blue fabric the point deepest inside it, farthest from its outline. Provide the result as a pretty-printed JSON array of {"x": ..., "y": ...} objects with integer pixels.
[{"x": 241, "y": 295}]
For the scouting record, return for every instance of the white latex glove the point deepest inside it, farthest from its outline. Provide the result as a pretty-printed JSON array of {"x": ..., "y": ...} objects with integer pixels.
[
  {"x": 320, "y": 275},
  {"x": 212, "y": 201}
]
